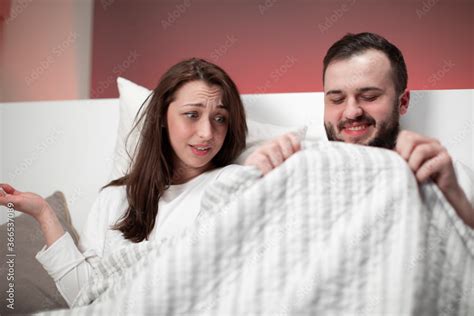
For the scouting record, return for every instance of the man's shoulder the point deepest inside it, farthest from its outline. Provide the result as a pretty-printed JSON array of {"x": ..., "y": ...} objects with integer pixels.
[
  {"x": 463, "y": 169},
  {"x": 465, "y": 177}
]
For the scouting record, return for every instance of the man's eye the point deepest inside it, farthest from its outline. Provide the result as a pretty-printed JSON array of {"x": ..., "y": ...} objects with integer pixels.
[
  {"x": 337, "y": 101},
  {"x": 369, "y": 98},
  {"x": 191, "y": 115},
  {"x": 220, "y": 119}
]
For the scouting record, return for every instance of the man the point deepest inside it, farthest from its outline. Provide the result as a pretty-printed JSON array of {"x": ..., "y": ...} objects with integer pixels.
[{"x": 365, "y": 88}]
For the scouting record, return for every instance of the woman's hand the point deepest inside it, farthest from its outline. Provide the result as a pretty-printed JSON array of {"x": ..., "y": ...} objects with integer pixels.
[
  {"x": 273, "y": 153},
  {"x": 25, "y": 202},
  {"x": 33, "y": 205}
]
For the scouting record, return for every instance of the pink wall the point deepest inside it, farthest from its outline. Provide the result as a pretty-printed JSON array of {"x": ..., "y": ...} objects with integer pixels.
[
  {"x": 276, "y": 45},
  {"x": 45, "y": 49},
  {"x": 4, "y": 10}
]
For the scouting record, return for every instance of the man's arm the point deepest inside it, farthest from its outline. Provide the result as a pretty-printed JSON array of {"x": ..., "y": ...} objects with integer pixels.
[{"x": 427, "y": 158}]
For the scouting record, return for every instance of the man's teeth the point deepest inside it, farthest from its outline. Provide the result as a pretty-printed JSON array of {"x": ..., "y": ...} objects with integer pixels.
[{"x": 357, "y": 128}]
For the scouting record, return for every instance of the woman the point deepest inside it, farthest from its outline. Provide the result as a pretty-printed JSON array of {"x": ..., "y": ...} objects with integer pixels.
[{"x": 193, "y": 126}]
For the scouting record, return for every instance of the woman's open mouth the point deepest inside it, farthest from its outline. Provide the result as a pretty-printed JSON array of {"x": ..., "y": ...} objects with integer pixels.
[{"x": 200, "y": 150}]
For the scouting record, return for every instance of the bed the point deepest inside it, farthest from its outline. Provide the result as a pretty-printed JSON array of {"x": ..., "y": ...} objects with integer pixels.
[{"x": 71, "y": 146}]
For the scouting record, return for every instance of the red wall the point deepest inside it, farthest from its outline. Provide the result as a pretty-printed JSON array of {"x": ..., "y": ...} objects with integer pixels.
[
  {"x": 4, "y": 10},
  {"x": 276, "y": 45}
]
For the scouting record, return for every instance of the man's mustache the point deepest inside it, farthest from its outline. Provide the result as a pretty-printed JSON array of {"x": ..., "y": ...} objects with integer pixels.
[{"x": 365, "y": 119}]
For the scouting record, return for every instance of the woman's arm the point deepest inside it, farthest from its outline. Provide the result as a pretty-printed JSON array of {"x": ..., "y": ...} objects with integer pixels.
[
  {"x": 35, "y": 206},
  {"x": 50, "y": 226},
  {"x": 67, "y": 266},
  {"x": 61, "y": 258}
]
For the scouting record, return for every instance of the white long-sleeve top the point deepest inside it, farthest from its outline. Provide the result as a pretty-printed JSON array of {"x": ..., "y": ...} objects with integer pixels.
[{"x": 68, "y": 264}]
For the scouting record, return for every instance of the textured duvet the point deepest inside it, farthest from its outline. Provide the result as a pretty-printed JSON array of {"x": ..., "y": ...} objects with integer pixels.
[{"x": 338, "y": 229}]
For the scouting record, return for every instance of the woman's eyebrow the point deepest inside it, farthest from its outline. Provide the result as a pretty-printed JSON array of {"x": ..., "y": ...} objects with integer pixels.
[
  {"x": 221, "y": 106},
  {"x": 194, "y": 104}
]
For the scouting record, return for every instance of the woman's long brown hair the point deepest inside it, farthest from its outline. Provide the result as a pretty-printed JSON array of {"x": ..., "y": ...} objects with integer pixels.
[{"x": 152, "y": 167}]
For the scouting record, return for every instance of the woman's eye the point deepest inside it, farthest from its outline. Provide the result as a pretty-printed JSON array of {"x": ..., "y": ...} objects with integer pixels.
[
  {"x": 220, "y": 119},
  {"x": 191, "y": 115}
]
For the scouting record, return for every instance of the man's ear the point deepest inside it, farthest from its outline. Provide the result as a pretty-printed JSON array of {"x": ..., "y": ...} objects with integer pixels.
[{"x": 404, "y": 101}]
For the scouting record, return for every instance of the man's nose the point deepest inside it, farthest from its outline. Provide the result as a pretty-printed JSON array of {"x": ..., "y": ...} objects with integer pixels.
[
  {"x": 353, "y": 109},
  {"x": 205, "y": 129}
]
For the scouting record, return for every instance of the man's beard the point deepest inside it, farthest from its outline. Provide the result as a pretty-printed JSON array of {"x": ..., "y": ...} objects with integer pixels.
[{"x": 386, "y": 136}]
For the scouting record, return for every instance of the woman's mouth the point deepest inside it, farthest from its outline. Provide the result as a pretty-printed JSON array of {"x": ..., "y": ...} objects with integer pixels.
[{"x": 199, "y": 150}]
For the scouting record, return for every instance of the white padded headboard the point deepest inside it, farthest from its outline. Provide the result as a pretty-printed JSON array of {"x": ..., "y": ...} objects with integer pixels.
[{"x": 68, "y": 145}]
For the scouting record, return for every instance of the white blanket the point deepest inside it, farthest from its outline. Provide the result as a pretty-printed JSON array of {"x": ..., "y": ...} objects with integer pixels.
[{"x": 338, "y": 229}]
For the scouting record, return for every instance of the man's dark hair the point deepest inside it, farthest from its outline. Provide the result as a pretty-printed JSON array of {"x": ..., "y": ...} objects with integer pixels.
[{"x": 354, "y": 44}]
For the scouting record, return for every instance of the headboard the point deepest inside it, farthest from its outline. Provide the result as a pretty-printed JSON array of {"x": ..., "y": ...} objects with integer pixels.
[{"x": 68, "y": 145}]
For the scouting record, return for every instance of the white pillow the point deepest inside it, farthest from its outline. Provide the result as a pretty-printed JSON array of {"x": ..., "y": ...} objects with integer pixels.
[{"x": 132, "y": 97}]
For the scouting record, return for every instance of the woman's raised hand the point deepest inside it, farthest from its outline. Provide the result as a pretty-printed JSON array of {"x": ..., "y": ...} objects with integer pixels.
[
  {"x": 26, "y": 202},
  {"x": 33, "y": 205}
]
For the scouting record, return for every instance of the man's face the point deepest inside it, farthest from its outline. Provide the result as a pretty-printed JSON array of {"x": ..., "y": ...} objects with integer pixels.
[{"x": 361, "y": 105}]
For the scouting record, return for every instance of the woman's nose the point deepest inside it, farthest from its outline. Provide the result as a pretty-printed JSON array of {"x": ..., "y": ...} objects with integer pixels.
[{"x": 205, "y": 129}]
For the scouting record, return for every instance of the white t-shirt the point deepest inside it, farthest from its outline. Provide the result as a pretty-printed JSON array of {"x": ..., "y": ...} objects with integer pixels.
[{"x": 177, "y": 209}]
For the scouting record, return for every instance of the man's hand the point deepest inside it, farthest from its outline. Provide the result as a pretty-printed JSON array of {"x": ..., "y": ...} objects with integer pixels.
[
  {"x": 427, "y": 158},
  {"x": 273, "y": 153}
]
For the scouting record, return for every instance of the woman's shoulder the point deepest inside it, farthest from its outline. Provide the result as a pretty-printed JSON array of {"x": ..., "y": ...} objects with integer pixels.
[
  {"x": 110, "y": 205},
  {"x": 113, "y": 191},
  {"x": 227, "y": 170},
  {"x": 112, "y": 198},
  {"x": 211, "y": 175}
]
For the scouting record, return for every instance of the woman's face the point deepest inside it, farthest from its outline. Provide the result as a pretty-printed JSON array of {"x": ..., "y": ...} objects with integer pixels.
[{"x": 197, "y": 123}]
